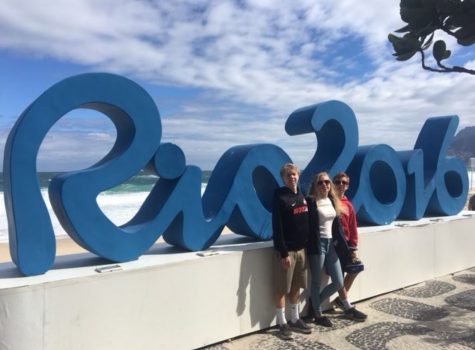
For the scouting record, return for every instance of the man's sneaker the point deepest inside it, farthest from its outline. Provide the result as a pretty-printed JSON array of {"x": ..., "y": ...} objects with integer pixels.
[
  {"x": 284, "y": 332},
  {"x": 323, "y": 321},
  {"x": 300, "y": 326},
  {"x": 355, "y": 315},
  {"x": 337, "y": 303}
]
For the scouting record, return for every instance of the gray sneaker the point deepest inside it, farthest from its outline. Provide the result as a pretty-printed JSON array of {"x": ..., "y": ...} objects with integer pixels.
[
  {"x": 323, "y": 321},
  {"x": 355, "y": 315},
  {"x": 285, "y": 333},
  {"x": 300, "y": 326}
]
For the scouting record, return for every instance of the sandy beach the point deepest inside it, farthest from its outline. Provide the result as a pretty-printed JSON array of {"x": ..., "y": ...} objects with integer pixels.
[{"x": 64, "y": 246}]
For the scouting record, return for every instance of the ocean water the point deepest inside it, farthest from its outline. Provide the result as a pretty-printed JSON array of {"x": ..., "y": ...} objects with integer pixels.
[{"x": 120, "y": 203}]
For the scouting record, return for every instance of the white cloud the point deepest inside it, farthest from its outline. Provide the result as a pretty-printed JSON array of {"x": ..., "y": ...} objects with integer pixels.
[{"x": 72, "y": 150}]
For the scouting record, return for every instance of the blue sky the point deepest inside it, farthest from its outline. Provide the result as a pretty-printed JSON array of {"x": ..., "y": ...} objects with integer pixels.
[{"x": 222, "y": 72}]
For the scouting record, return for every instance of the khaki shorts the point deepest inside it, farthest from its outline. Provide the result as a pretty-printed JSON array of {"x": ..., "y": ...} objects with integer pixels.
[{"x": 293, "y": 277}]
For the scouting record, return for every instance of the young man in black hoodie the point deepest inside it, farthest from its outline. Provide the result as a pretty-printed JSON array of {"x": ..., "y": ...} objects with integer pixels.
[{"x": 290, "y": 226}]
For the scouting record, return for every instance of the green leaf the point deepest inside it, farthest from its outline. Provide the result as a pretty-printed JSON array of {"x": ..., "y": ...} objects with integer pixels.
[
  {"x": 402, "y": 46},
  {"x": 465, "y": 35},
  {"x": 448, "y": 7},
  {"x": 428, "y": 29},
  {"x": 416, "y": 17},
  {"x": 410, "y": 3},
  {"x": 439, "y": 50},
  {"x": 412, "y": 41},
  {"x": 405, "y": 56},
  {"x": 460, "y": 20},
  {"x": 398, "y": 43},
  {"x": 466, "y": 41},
  {"x": 468, "y": 6},
  {"x": 406, "y": 28}
]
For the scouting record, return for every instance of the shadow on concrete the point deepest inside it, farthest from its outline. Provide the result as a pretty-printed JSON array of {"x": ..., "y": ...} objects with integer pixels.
[{"x": 254, "y": 283}]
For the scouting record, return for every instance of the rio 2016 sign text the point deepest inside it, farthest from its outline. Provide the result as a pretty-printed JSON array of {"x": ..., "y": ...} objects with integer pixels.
[{"x": 385, "y": 184}]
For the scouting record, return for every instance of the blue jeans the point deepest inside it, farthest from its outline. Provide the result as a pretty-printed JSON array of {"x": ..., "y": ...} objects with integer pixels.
[{"x": 329, "y": 259}]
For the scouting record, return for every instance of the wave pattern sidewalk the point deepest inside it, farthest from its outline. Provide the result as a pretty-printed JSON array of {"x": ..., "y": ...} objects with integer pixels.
[{"x": 437, "y": 314}]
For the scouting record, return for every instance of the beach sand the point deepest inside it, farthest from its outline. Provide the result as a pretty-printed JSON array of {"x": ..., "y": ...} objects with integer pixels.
[{"x": 66, "y": 246}]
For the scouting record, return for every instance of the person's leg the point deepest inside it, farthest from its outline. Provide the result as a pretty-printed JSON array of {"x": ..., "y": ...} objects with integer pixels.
[
  {"x": 280, "y": 308},
  {"x": 343, "y": 292},
  {"x": 315, "y": 263},
  {"x": 294, "y": 296},
  {"x": 342, "y": 295},
  {"x": 279, "y": 300},
  {"x": 282, "y": 282},
  {"x": 299, "y": 281},
  {"x": 343, "y": 303},
  {"x": 332, "y": 265},
  {"x": 349, "y": 279},
  {"x": 350, "y": 310}
]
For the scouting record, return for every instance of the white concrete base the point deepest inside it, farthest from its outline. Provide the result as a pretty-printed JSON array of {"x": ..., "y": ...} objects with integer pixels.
[{"x": 173, "y": 300}]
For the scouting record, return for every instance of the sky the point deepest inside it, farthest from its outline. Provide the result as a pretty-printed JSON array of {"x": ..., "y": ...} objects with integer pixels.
[{"x": 223, "y": 73}]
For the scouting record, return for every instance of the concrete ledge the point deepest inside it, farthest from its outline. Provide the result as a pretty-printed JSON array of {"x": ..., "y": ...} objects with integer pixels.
[
  {"x": 170, "y": 299},
  {"x": 409, "y": 252}
]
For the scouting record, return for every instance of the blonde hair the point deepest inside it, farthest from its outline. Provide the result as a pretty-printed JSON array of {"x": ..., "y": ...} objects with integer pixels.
[
  {"x": 288, "y": 167},
  {"x": 313, "y": 192}
]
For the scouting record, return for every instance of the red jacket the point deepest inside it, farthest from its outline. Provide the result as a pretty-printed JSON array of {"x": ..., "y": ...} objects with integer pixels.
[{"x": 348, "y": 222}]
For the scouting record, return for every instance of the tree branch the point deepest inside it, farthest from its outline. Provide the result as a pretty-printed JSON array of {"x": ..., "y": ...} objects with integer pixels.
[{"x": 444, "y": 69}]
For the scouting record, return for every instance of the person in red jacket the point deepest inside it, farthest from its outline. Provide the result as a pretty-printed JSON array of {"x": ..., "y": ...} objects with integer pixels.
[{"x": 341, "y": 182}]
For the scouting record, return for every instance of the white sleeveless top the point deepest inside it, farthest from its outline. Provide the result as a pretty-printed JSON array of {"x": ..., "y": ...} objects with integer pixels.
[{"x": 326, "y": 215}]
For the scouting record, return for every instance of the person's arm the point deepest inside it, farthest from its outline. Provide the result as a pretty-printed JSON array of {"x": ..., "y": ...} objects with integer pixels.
[
  {"x": 341, "y": 245},
  {"x": 313, "y": 243},
  {"x": 277, "y": 228},
  {"x": 352, "y": 228}
]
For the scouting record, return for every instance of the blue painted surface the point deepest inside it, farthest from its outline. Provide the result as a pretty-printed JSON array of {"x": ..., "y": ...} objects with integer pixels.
[
  {"x": 378, "y": 184},
  {"x": 335, "y": 127},
  {"x": 73, "y": 195},
  {"x": 385, "y": 184},
  {"x": 448, "y": 173}
]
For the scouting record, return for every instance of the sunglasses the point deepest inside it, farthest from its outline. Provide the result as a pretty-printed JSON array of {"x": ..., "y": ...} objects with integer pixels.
[
  {"x": 340, "y": 182},
  {"x": 326, "y": 182}
]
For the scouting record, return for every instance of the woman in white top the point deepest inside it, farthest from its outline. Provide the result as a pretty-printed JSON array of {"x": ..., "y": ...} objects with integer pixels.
[{"x": 326, "y": 232}]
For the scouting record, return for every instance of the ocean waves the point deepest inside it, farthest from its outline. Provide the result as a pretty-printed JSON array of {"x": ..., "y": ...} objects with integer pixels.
[{"x": 119, "y": 205}]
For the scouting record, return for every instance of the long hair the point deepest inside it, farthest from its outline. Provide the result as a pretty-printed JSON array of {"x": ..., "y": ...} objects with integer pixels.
[{"x": 313, "y": 192}]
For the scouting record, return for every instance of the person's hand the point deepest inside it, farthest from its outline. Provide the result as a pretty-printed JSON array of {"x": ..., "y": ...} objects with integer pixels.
[
  {"x": 286, "y": 262},
  {"x": 353, "y": 255}
]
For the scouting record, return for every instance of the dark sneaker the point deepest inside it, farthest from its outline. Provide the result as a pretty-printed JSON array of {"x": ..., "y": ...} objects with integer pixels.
[
  {"x": 284, "y": 332},
  {"x": 337, "y": 303},
  {"x": 355, "y": 315},
  {"x": 300, "y": 326},
  {"x": 323, "y": 321}
]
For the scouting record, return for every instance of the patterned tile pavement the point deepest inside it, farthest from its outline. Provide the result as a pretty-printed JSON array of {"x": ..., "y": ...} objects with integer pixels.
[{"x": 437, "y": 314}]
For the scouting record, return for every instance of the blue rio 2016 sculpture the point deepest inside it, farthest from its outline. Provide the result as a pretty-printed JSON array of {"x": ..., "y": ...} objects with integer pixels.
[{"x": 386, "y": 184}]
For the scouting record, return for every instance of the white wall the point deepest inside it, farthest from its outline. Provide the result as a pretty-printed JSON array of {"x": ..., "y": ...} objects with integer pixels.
[{"x": 174, "y": 300}]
